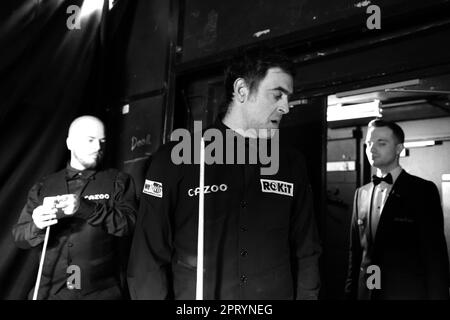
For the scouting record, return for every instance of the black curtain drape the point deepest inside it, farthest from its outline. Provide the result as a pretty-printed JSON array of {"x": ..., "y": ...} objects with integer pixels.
[{"x": 49, "y": 74}]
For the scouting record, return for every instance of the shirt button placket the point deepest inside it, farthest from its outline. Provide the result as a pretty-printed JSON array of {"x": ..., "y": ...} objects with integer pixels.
[{"x": 242, "y": 242}]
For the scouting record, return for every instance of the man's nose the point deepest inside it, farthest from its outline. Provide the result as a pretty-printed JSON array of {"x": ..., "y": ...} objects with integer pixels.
[
  {"x": 96, "y": 145},
  {"x": 283, "y": 107}
]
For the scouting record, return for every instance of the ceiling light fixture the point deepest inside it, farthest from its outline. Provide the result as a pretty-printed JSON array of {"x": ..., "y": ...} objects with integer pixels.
[{"x": 339, "y": 112}]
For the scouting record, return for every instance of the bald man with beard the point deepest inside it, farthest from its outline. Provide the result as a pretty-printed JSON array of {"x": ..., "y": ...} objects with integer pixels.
[{"x": 90, "y": 212}]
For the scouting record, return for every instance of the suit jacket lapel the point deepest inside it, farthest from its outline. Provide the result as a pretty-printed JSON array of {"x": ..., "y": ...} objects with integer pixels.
[
  {"x": 392, "y": 201},
  {"x": 365, "y": 198}
]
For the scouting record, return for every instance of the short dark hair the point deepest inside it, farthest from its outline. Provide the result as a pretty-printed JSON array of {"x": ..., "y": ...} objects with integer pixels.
[
  {"x": 252, "y": 65},
  {"x": 396, "y": 129}
]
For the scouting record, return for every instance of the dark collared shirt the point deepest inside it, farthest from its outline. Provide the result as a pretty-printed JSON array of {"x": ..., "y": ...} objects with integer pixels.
[
  {"x": 77, "y": 179},
  {"x": 89, "y": 238},
  {"x": 260, "y": 241}
]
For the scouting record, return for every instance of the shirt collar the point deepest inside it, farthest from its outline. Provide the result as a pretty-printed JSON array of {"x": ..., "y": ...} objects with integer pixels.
[
  {"x": 223, "y": 128},
  {"x": 394, "y": 173},
  {"x": 72, "y": 173}
]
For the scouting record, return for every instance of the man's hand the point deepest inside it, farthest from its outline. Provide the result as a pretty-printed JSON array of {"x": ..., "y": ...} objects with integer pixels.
[
  {"x": 68, "y": 203},
  {"x": 44, "y": 216}
]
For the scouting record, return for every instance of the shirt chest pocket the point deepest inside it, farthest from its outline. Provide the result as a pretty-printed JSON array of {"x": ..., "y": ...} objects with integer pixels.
[{"x": 273, "y": 211}]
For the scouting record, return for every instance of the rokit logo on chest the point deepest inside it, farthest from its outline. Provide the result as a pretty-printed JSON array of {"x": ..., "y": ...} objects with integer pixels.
[
  {"x": 278, "y": 187},
  {"x": 103, "y": 196}
]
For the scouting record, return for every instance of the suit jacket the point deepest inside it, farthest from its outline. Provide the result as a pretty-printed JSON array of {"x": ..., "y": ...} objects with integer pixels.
[{"x": 409, "y": 245}]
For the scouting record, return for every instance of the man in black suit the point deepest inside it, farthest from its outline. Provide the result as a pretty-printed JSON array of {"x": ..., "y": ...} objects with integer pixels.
[{"x": 397, "y": 242}]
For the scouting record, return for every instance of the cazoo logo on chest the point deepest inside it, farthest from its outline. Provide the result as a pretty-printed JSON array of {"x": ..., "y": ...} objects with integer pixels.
[
  {"x": 104, "y": 196},
  {"x": 208, "y": 189}
]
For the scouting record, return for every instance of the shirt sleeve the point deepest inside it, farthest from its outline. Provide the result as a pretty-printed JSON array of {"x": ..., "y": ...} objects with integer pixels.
[
  {"x": 25, "y": 233},
  {"x": 117, "y": 216},
  {"x": 305, "y": 242},
  {"x": 149, "y": 266},
  {"x": 433, "y": 246},
  {"x": 354, "y": 255}
]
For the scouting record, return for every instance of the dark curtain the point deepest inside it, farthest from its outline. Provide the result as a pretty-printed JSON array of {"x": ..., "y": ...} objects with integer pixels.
[{"x": 49, "y": 75}]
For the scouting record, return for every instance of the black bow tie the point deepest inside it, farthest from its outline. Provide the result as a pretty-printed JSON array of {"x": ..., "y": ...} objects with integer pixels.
[{"x": 377, "y": 180}]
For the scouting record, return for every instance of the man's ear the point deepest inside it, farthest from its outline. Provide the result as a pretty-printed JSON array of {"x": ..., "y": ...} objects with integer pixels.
[
  {"x": 240, "y": 90},
  {"x": 399, "y": 148},
  {"x": 69, "y": 143}
]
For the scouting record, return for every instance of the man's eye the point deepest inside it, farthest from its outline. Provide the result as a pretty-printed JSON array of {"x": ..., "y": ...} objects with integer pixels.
[{"x": 277, "y": 96}]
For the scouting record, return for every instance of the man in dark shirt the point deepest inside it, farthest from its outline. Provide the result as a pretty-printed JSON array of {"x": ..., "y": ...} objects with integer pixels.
[
  {"x": 260, "y": 238},
  {"x": 90, "y": 212}
]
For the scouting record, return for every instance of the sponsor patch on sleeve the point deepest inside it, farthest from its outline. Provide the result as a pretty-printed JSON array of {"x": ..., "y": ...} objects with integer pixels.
[{"x": 153, "y": 188}]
